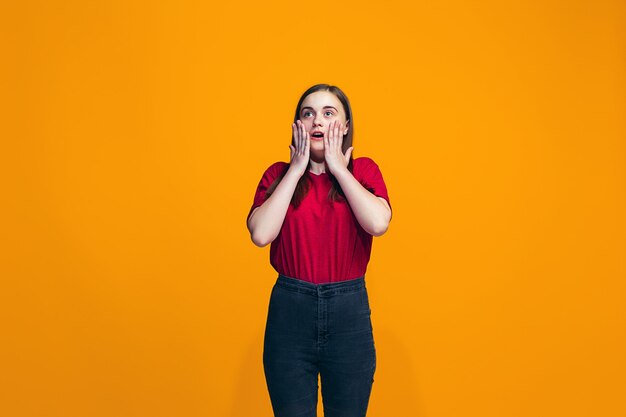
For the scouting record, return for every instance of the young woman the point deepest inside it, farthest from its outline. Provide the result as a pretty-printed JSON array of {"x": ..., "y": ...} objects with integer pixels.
[{"x": 319, "y": 212}]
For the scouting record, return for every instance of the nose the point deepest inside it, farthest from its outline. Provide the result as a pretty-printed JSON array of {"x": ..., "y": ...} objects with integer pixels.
[{"x": 317, "y": 120}]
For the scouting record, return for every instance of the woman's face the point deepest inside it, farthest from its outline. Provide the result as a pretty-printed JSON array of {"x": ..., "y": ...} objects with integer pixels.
[{"x": 317, "y": 112}]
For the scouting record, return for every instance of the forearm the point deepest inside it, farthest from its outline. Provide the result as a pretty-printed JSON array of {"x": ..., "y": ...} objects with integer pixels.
[
  {"x": 266, "y": 221},
  {"x": 371, "y": 213}
]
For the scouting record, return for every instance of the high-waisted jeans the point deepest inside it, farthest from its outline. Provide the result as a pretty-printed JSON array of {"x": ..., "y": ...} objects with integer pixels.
[{"x": 325, "y": 329}]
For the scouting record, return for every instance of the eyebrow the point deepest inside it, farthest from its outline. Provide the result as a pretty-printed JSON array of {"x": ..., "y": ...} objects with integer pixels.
[{"x": 325, "y": 107}]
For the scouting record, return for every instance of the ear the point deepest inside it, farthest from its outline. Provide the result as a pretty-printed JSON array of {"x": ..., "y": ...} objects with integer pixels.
[{"x": 345, "y": 132}]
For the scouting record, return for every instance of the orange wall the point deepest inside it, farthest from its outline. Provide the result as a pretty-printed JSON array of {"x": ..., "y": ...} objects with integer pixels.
[{"x": 134, "y": 136}]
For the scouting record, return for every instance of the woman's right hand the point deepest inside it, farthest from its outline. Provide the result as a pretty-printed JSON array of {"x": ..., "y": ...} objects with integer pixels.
[{"x": 299, "y": 158}]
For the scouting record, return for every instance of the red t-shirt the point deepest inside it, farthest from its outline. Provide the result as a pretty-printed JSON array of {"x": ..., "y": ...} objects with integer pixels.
[{"x": 322, "y": 242}]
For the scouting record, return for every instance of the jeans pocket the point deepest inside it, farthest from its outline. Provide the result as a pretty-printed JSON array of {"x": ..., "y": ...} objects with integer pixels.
[{"x": 365, "y": 302}]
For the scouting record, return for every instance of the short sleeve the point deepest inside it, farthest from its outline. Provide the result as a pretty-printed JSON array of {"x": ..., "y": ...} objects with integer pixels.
[
  {"x": 270, "y": 174},
  {"x": 372, "y": 179}
]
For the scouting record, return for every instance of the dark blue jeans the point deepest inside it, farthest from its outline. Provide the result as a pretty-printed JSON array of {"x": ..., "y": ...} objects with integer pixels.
[{"x": 322, "y": 329}]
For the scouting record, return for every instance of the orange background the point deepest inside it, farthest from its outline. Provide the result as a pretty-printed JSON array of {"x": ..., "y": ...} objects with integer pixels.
[{"x": 134, "y": 135}]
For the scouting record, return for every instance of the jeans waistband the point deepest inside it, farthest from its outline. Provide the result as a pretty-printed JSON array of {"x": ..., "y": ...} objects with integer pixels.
[{"x": 326, "y": 289}]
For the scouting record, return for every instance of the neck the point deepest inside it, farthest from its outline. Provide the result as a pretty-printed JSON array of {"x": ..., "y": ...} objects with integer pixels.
[{"x": 317, "y": 166}]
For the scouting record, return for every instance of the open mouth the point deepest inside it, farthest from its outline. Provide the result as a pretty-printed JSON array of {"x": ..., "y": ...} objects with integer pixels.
[{"x": 317, "y": 135}]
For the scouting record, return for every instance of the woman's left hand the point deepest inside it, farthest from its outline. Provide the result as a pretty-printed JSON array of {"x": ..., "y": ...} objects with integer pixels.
[{"x": 333, "y": 154}]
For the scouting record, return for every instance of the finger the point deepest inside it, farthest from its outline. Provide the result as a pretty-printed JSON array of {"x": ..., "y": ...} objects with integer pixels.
[
  {"x": 326, "y": 141},
  {"x": 298, "y": 137},
  {"x": 340, "y": 135},
  {"x": 330, "y": 135},
  {"x": 307, "y": 144},
  {"x": 348, "y": 153}
]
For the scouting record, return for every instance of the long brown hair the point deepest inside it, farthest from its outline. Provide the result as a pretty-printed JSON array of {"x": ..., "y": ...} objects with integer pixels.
[{"x": 302, "y": 188}]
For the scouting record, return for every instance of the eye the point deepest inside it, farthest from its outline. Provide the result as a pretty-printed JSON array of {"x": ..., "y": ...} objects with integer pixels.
[
  {"x": 305, "y": 113},
  {"x": 328, "y": 112}
]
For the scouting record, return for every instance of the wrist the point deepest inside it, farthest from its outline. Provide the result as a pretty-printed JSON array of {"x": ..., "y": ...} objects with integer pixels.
[
  {"x": 342, "y": 172},
  {"x": 294, "y": 172}
]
